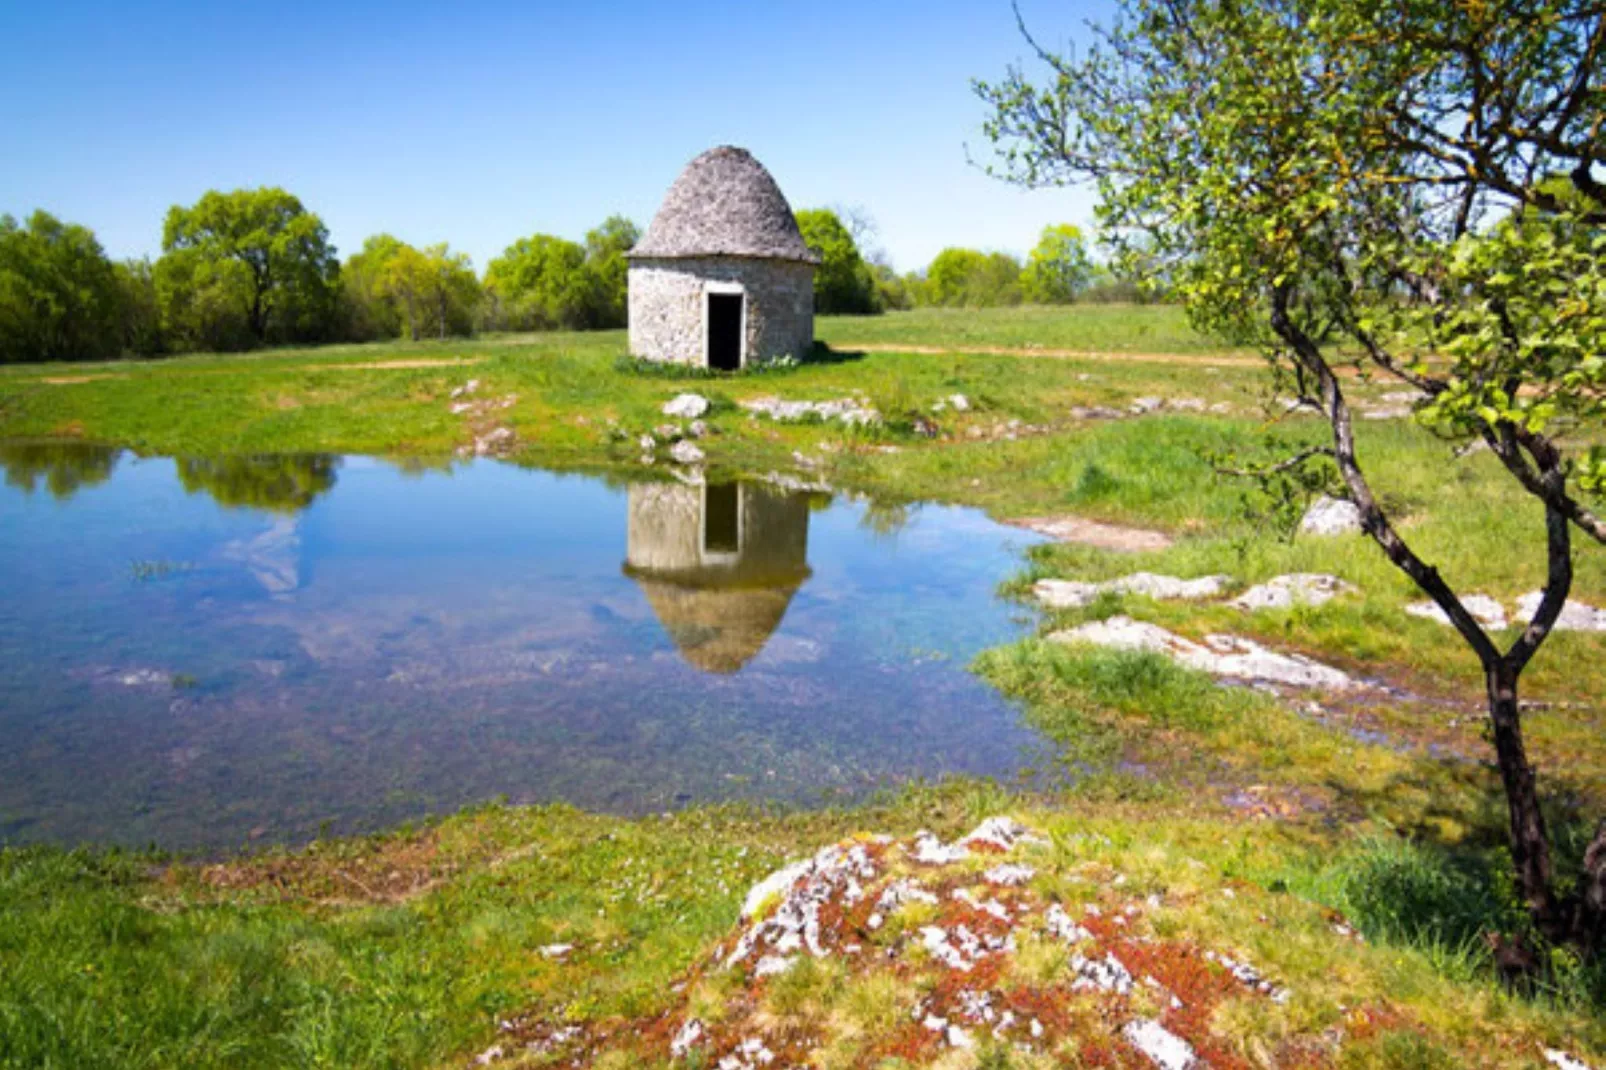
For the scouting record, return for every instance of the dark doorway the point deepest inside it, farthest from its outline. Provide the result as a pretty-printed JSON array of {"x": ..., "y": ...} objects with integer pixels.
[
  {"x": 722, "y": 531},
  {"x": 725, "y": 331}
]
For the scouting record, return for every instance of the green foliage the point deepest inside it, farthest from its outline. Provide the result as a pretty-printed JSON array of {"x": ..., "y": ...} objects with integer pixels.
[
  {"x": 1059, "y": 269},
  {"x": 369, "y": 314},
  {"x": 843, "y": 283},
  {"x": 605, "y": 262},
  {"x": 60, "y": 298},
  {"x": 256, "y": 253},
  {"x": 545, "y": 283},
  {"x": 539, "y": 283},
  {"x": 140, "y": 307},
  {"x": 972, "y": 279}
]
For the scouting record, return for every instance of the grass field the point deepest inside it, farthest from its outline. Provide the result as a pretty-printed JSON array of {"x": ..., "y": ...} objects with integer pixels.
[{"x": 407, "y": 949}]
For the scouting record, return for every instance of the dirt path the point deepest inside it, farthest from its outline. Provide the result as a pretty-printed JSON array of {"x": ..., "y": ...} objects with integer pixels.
[{"x": 381, "y": 365}]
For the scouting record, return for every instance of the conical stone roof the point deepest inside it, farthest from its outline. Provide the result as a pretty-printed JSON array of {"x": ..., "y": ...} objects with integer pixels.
[{"x": 724, "y": 204}]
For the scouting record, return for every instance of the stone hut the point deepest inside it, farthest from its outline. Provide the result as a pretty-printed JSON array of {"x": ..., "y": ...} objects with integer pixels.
[
  {"x": 719, "y": 564},
  {"x": 722, "y": 278}
]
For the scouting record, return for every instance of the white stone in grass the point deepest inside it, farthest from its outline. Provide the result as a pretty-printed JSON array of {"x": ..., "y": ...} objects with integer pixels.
[
  {"x": 556, "y": 951},
  {"x": 683, "y": 452},
  {"x": 1107, "y": 974},
  {"x": 1485, "y": 610},
  {"x": 1220, "y": 655},
  {"x": 1575, "y": 616},
  {"x": 1162, "y": 1047},
  {"x": 1331, "y": 516},
  {"x": 1562, "y": 1061},
  {"x": 686, "y": 1038},
  {"x": 1009, "y": 875},
  {"x": 686, "y": 406},
  {"x": 489, "y": 1055},
  {"x": 775, "y": 886},
  {"x": 1001, "y": 832},
  {"x": 1142, "y": 405},
  {"x": 1073, "y": 594},
  {"x": 1296, "y": 588},
  {"x": 770, "y": 965},
  {"x": 933, "y": 852}
]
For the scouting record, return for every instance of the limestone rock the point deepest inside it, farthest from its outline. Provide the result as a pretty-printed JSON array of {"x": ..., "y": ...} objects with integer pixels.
[
  {"x": 1164, "y": 1048},
  {"x": 1071, "y": 594},
  {"x": 1485, "y": 610},
  {"x": 686, "y": 407},
  {"x": 1296, "y": 588},
  {"x": 1220, "y": 655},
  {"x": 1575, "y": 616},
  {"x": 1331, "y": 516},
  {"x": 683, "y": 452}
]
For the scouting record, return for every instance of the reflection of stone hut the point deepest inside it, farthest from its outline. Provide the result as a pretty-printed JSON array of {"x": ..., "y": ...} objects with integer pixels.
[
  {"x": 718, "y": 564},
  {"x": 722, "y": 277}
]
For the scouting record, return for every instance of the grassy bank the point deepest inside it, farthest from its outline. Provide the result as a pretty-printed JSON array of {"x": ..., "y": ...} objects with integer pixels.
[{"x": 1265, "y": 829}]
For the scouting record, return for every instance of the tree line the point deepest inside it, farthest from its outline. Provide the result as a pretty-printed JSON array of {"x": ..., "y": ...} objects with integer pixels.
[{"x": 253, "y": 268}]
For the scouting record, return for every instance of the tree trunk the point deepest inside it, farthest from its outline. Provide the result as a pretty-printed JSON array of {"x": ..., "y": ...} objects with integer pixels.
[{"x": 1530, "y": 846}]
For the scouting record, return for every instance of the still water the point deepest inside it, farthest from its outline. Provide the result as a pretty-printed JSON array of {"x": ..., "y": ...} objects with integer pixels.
[{"x": 201, "y": 653}]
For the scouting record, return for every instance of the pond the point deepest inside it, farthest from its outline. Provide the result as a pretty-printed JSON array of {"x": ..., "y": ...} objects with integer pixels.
[{"x": 200, "y": 653}]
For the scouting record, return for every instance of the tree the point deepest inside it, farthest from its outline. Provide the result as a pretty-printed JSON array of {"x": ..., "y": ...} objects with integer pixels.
[
  {"x": 539, "y": 283},
  {"x": 368, "y": 312},
  {"x": 59, "y": 294},
  {"x": 205, "y": 304},
  {"x": 1404, "y": 185},
  {"x": 973, "y": 279},
  {"x": 843, "y": 283},
  {"x": 139, "y": 308},
  {"x": 290, "y": 267},
  {"x": 605, "y": 261},
  {"x": 1059, "y": 268}
]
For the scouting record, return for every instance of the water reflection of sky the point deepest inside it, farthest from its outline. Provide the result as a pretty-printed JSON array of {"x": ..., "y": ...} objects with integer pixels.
[{"x": 196, "y": 652}]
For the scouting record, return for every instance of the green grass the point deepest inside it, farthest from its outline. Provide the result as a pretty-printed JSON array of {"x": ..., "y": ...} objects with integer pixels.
[
  {"x": 1083, "y": 328},
  {"x": 404, "y": 950}
]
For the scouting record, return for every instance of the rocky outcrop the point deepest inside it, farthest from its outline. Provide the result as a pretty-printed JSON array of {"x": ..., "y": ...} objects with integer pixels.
[
  {"x": 1294, "y": 589},
  {"x": 1331, "y": 516},
  {"x": 1073, "y": 594},
  {"x": 1219, "y": 655}
]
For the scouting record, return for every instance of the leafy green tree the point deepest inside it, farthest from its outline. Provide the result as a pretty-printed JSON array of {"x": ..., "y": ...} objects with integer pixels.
[
  {"x": 1059, "y": 268},
  {"x": 605, "y": 262},
  {"x": 59, "y": 295},
  {"x": 204, "y": 304},
  {"x": 1377, "y": 182},
  {"x": 540, "y": 283},
  {"x": 368, "y": 312},
  {"x": 140, "y": 308},
  {"x": 893, "y": 291},
  {"x": 289, "y": 266},
  {"x": 973, "y": 279},
  {"x": 843, "y": 283}
]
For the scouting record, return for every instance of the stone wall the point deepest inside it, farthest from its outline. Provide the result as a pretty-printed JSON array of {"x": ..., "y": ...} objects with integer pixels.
[{"x": 667, "y": 302}]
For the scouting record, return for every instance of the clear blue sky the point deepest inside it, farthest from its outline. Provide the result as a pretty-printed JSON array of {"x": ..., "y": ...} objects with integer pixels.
[{"x": 480, "y": 123}]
